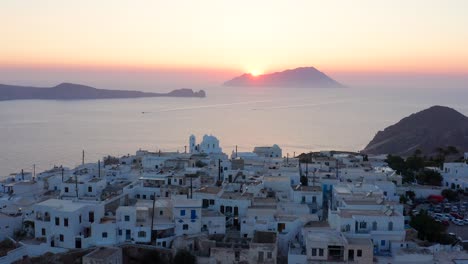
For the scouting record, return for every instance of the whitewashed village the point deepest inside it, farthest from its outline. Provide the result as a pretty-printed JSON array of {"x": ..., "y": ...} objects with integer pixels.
[{"x": 264, "y": 206}]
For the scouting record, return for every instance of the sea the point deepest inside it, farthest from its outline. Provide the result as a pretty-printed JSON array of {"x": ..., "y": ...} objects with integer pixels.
[{"x": 44, "y": 133}]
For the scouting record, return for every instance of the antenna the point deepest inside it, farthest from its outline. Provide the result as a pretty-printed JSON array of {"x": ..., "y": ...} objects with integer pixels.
[
  {"x": 34, "y": 171},
  {"x": 99, "y": 168},
  {"x": 62, "y": 174},
  {"x": 76, "y": 185},
  {"x": 236, "y": 151},
  {"x": 82, "y": 158}
]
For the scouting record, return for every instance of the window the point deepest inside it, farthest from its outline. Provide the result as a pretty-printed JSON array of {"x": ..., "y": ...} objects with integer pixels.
[
  {"x": 221, "y": 209},
  {"x": 57, "y": 221},
  {"x": 65, "y": 222},
  {"x": 260, "y": 256},
  {"x": 314, "y": 199},
  {"x": 104, "y": 234},
  {"x": 161, "y": 212},
  {"x": 321, "y": 252},
  {"x": 363, "y": 225},
  {"x": 269, "y": 255},
  {"x": 144, "y": 196},
  {"x": 43, "y": 232},
  {"x": 141, "y": 234},
  {"x": 120, "y": 232},
  {"x": 185, "y": 227},
  {"x": 66, "y": 189},
  {"x": 79, "y": 219},
  {"x": 237, "y": 255},
  {"x": 390, "y": 226},
  {"x": 314, "y": 252},
  {"x": 90, "y": 188},
  {"x": 138, "y": 196},
  {"x": 182, "y": 212},
  {"x": 61, "y": 238},
  {"x": 382, "y": 243},
  {"x": 359, "y": 253},
  {"x": 374, "y": 225},
  {"x": 212, "y": 202},
  {"x": 127, "y": 218},
  {"x": 91, "y": 217}
]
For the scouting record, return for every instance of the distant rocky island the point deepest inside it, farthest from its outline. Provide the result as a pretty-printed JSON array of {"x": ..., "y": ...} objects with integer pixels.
[
  {"x": 305, "y": 77},
  {"x": 437, "y": 126},
  {"x": 70, "y": 91}
]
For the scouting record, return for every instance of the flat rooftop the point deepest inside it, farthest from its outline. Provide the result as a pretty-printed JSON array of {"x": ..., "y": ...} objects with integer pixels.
[
  {"x": 301, "y": 188},
  {"x": 63, "y": 205},
  {"x": 264, "y": 237},
  {"x": 209, "y": 189},
  {"x": 348, "y": 213},
  {"x": 237, "y": 195},
  {"x": 104, "y": 252}
]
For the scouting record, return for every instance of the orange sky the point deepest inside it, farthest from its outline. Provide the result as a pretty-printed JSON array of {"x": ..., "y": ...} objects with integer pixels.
[{"x": 419, "y": 36}]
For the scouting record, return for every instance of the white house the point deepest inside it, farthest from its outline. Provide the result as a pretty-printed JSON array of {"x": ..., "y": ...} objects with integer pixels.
[{"x": 66, "y": 223}]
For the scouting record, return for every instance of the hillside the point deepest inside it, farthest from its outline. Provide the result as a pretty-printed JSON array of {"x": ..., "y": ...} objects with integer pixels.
[
  {"x": 307, "y": 77},
  {"x": 437, "y": 126},
  {"x": 70, "y": 91}
]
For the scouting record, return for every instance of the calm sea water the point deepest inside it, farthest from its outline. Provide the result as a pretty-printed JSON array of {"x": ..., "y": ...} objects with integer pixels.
[{"x": 48, "y": 133}]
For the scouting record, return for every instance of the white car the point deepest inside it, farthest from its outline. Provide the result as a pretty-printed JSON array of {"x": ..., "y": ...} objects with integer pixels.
[
  {"x": 466, "y": 221},
  {"x": 459, "y": 222}
]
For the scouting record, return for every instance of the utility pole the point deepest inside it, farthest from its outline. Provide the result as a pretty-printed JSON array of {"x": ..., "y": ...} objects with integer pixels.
[
  {"x": 62, "y": 174},
  {"x": 34, "y": 171},
  {"x": 236, "y": 151},
  {"x": 185, "y": 149},
  {"x": 99, "y": 168},
  {"x": 76, "y": 185},
  {"x": 82, "y": 158},
  {"x": 294, "y": 155},
  {"x": 219, "y": 172},
  {"x": 22, "y": 174},
  {"x": 191, "y": 187},
  {"x": 152, "y": 217},
  {"x": 287, "y": 158}
]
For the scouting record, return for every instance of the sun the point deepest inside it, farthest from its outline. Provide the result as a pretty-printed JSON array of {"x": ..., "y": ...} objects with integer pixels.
[{"x": 256, "y": 72}]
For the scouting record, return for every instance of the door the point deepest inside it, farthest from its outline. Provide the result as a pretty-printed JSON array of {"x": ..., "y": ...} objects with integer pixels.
[
  {"x": 78, "y": 242},
  {"x": 127, "y": 234},
  {"x": 351, "y": 255}
]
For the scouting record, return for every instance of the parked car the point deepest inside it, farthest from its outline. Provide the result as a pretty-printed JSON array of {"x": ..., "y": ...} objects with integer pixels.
[
  {"x": 459, "y": 222},
  {"x": 466, "y": 221},
  {"x": 456, "y": 215},
  {"x": 454, "y": 209},
  {"x": 445, "y": 222}
]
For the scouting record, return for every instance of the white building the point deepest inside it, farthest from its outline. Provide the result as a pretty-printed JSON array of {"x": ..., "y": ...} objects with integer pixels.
[
  {"x": 209, "y": 145},
  {"x": 269, "y": 152},
  {"x": 66, "y": 223},
  {"x": 187, "y": 216}
]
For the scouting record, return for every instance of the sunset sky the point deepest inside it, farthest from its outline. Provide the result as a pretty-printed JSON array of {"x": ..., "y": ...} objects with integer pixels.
[{"x": 340, "y": 37}]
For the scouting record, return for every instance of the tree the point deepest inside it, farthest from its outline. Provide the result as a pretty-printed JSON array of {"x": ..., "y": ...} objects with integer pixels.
[
  {"x": 200, "y": 164},
  {"x": 410, "y": 194},
  {"x": 429, "y": 177},
  {"x": 184, "y": 257},
  {"x": 417, "y": 153},
  {"x": 451, "y": 150},
  {"x": 450, "y": 195},
  {"x": 427, "y": 227},
  {"x": 397, "y": 163},
  {"x": 403, "y": 199}
]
